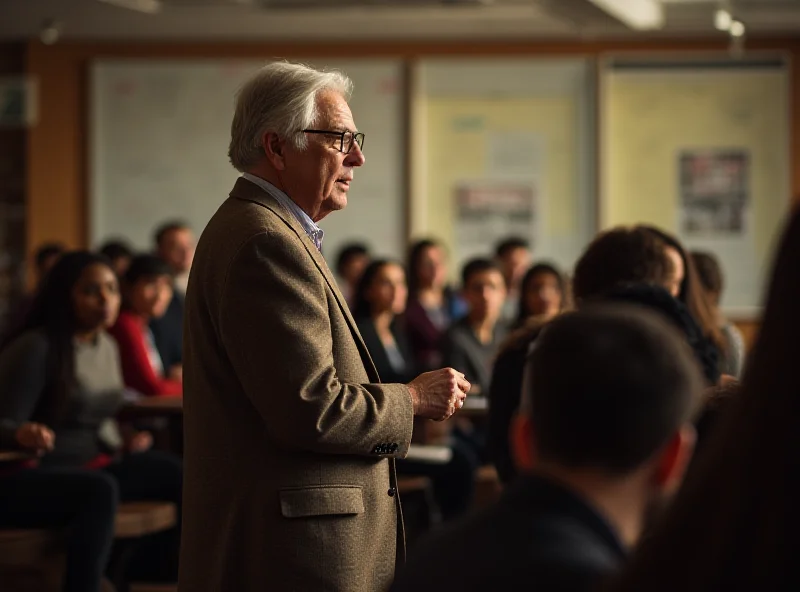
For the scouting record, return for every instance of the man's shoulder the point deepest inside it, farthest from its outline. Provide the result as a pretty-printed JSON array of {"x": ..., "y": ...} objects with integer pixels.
[{"x": 239, "y": 222}]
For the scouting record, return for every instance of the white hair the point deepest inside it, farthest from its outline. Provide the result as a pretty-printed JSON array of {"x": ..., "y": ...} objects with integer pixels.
[{"x": 279, "y": 98}]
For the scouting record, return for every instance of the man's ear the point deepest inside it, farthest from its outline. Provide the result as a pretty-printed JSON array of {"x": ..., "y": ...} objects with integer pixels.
[
  {"x": 523, "y": 443},
  {"x": 674, "y": 458},
  {"x": 274, "y": 148}
]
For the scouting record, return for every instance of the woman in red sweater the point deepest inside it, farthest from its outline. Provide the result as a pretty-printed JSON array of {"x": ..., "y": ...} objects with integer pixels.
[{"x": 147, "y": 290}]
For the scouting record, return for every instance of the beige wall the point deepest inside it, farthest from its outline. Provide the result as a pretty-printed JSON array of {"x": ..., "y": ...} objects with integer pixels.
[{"x": 57, "y": 180}]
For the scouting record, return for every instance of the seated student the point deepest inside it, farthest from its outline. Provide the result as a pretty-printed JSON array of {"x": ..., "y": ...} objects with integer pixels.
[
  {"x": 60, "y": 388},
  {"x": 513, "y": 256},
  {"x": 353, "y": 258},
  {"x": 686, "y": 287},
  {"x": 542, "y": 294},
  {"x": 604, "y": 437},
  {"x": 711, "y": 279},
  {"x": 432, "y": 304},
  {"x": 734, "y": 523},
  {"x": 175, "y": 246},
  {"x": 147, "y": 290},
  {"x": 45, "y": 258},
  {"x": 380, "y": 298},
  {"x": 619, "y": 256},
  {"x": 471, "y": 343},
  {"x": 119, "y": 254}
]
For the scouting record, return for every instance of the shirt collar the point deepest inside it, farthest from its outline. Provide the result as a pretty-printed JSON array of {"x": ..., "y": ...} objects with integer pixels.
[{"x": 314, "y": 232}]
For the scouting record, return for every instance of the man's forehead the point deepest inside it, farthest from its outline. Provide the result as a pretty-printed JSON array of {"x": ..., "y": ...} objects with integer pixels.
[{"x": 334, "y": 110}]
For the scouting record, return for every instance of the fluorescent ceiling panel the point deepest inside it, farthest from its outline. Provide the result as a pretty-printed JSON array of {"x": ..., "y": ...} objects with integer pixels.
[
  {"x": 637, "y": 14},
  {"x": 146, "y": 6}
]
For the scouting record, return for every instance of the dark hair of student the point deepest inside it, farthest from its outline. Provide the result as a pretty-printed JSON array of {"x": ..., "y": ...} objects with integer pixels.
[
  {"x": 167, "y": 227},
  {"x": 734, "y": 522},
  {"x": 349, "y": 251},
  {"x": 45, "y": 251},
  {"x": 536, "y": 270},
  {"x": 621, "y": 255},
  {"x": 52, "y": 311},
  {"x": 415, "y": 254},
  {"x": 509, "y": 244},
  {"x": 658, "y": 299},
  {"x": 589, "y": 410},
  {"x": 116, "y": 249},
  {"x": 709, "y": 273},
  {"x": 146, "y": 266},
  {"x": 691, "y": 293},
  {"x": 476, "y": 266},
  {"x": 361, "y": 306}
]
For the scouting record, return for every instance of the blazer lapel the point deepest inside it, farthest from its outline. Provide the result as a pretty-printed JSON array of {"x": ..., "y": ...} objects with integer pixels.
[{"x": 244, "y": 189}]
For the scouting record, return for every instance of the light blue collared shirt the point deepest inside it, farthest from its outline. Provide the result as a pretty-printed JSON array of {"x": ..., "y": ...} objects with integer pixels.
[{"x": 314, "y": 232}]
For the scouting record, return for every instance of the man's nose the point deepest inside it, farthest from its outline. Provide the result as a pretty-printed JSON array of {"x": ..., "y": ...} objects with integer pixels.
[{"x": 355, "y": 157}]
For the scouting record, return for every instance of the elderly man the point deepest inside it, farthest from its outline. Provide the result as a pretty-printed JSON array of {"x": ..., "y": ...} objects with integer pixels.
[{"x": 290, "y": 438}]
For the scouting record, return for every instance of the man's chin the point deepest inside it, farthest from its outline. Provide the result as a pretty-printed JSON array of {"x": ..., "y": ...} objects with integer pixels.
[{"x": 331, "y": 204}]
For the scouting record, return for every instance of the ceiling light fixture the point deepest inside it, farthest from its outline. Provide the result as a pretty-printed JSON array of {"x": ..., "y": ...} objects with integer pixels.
[
  {"x": 737, "y": 29},
  {"x": 146, "y": 6},
  {"x": 722, "y": 20},
  {"x": 641, "y": 15}
]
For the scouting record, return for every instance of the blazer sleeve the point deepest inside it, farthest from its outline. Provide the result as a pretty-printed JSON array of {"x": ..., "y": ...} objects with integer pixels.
[
  {"x": 23, "y": 377},
  {"x": 275, "y": 327},
  {"x": 136, "y": 368}
]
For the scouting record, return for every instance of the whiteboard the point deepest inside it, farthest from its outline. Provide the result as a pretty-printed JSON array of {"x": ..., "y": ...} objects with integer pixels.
[{"x": 159, "y": 139}]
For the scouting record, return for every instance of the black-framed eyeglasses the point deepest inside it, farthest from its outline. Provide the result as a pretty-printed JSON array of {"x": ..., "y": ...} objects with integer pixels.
[{"x": 346, "y": 138}]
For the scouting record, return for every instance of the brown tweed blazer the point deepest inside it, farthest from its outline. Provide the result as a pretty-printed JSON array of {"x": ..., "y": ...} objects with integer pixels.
[{"x": 289, "y": 477}]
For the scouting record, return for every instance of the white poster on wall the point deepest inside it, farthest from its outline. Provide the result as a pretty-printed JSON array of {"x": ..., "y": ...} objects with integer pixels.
[
  {"x": 488, "y": 211},
  {"x": 714, "y": 192}
]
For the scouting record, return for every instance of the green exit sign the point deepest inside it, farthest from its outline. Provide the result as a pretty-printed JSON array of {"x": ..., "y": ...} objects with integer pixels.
[{"x": 17, "y": 102}]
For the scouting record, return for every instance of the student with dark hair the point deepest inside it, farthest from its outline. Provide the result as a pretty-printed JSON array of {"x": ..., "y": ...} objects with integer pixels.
[
  {"x": 604, "y": 438},
  {"x": 624, "y": 264},
  {"x": 513, "y": 255},
  {"x": 380, "y": 299},
  {"x": 734, "y": 523},
  {"x": 471, "y": 343},
  {"x": 119, "y": 254},
  {"x": 175, "y": 246},
  {"x": 542, "y": 293},
  {"x": 60, "y": 388},
  {"x": 353, "y": 258},
  {"x": 432, "y": 305},
  {"x": 147, "y": 291},
  {"x": 45, "y": 257},
  {"x": 621, "y": 255},
  {"x": 686, "y": 287},
  {"x": 709, "y": 272}
]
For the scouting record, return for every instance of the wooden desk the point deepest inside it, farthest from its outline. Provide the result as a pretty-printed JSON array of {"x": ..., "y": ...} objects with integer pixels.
[
  {"x": 15, "y": 455},
  {"x": 475, "y": 406},
  {"x": 153, "y": 406},
  {"x": 170, "y": 408}
]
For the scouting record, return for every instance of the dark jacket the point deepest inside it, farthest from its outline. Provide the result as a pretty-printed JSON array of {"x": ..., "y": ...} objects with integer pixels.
[
  {"x": 168, "y": 333},
  {"x": 539, "y": 536},
  {"x": 424, "y": 337},
  {"x": 377, "y": 351},
  {"x": 504, "y": 397}
]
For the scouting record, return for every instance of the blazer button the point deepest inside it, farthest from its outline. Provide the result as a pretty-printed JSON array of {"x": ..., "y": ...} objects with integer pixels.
[{"x": 392, "y": 491}]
